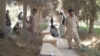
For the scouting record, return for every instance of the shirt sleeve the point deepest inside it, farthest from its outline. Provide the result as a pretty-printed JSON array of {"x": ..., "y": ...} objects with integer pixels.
[
  {"x": 77, "y": 21},
  {"x": 66, "y": 21},
  {"x": 30, "y": 19}
]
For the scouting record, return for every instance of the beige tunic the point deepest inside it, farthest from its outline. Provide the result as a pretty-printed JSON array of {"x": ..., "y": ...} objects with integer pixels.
[
  {"x": 33, "y": 27},
  {"x": 71, "y": 25},
  {"x": 33, "y": 24}
]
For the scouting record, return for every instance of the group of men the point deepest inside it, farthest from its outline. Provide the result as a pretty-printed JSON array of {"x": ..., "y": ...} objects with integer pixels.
[
  {"x": 8, "y": 22},
  {"x": 70, "y": 23},
  {"x": 32, "y": 22}
]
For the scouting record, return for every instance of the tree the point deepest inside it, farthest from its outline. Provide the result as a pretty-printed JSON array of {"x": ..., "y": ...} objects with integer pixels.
[
  {"x": 93, "y": 11},
  {"x": 2, "y": 15},
  {"x": 23, "y": 32},
  {"x": 24, "y": 13}
]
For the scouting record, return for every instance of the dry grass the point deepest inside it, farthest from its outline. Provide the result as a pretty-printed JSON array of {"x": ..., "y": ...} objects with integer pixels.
[
  {"x": 9, "y": 48},
  {"x": 86, "y": 50}
]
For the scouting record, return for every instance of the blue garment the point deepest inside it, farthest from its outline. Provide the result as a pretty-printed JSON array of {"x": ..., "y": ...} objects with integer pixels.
[{"x": 54, "y": 31}]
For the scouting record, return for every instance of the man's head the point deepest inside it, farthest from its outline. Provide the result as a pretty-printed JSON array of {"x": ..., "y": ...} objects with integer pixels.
[
  {"x": 21, "y": 12},
  {"x": 61, "y": 13},
  {"x": 71, "y": 12},
  {"x": 34, "y": 11},
  {"x": 7, "y": 11}
]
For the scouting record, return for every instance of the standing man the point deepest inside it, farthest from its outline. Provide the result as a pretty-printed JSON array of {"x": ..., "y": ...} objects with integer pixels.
[
  {"x": 20, "y": 19},
  {"x": 8, "y": 21},
  {"x": 71, "y": 24},
  {"x": 52, "y": 21},
  {"x": 62, "y": 27},
  {"x": 33, "y": 25}
]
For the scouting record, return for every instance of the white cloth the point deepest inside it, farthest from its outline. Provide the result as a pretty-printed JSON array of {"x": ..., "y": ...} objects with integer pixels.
[
  {"x": 62, "y": 27},
  {"x": 20, "y": 23},
  {"x": 62, "y": 30}
]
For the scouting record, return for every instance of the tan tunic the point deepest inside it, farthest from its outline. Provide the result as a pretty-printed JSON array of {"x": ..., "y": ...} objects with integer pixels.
[
  {"x": 71, "y": 25},
  {"x": 33, "y": 23}
]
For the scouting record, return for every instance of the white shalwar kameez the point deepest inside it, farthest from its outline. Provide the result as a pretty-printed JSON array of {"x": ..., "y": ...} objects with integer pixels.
[{"x": 62, "y": 27}]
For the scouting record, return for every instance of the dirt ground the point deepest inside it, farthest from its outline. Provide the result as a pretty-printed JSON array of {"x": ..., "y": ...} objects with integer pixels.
[
  {"x": 8, "y": 47},
  {"x": 87, "y": 50}
]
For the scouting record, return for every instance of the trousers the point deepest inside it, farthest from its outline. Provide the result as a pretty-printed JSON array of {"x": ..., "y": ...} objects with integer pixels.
[{"x": 73, "y": 35}]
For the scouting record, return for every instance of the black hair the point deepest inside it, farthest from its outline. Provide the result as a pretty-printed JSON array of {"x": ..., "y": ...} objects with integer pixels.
[
  {"x": 61, "y": 13},
  {"x": 52, "y": 26},
  {"x": 7, "y": 11},
  {"x": 34, "y": 9},
  {"x": 52, "y": 21},
  {"x": 70, "y": 10},
  {"x": 17, "y": 24},
  {"x": 21, "y": 12}
]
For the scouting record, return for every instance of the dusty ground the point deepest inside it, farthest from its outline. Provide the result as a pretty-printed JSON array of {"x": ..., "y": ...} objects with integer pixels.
[
  {"x": 86, "y": 50},
  {"x": 8, "y": 47}
]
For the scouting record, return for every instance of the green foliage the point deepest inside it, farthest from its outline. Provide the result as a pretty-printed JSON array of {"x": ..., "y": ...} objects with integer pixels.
[
  {"x": 82, "y": 28},
  {"x": 86, "y": 51},
  {"x": 85, "y": 29},
  {"x": 85, "y": 6},
  {"x": 43, "y": 26},
  {"x": 97, "y": 30},
  {"x": 98, "y": 3}
]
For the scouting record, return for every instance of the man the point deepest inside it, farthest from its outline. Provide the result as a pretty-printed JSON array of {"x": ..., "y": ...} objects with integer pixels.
[
  {"x": 8, "y": 21},
  {"x": 20, "y": 19},
  {"x": 33, "y": 25},
  {"x": 52, "y": 21},
  {"x": 71, "y": 24},
  {"x": 62, "y": 27},
  {"x": 54, "y": 31},
  {"x": 16, "y": 28}
]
